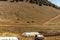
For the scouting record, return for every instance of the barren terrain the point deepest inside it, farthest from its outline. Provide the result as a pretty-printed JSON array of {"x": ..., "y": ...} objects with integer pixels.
[{"x": 19, "y": 17}]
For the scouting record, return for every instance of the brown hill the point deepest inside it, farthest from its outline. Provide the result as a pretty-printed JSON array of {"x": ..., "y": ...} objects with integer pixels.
[{"x": 25, "y": 13}]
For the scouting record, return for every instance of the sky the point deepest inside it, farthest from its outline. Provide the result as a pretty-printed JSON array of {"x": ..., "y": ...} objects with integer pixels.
[{"x": 56, "y": 2}]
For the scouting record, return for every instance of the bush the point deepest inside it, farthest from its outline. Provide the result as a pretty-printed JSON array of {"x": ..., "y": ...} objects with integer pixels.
[
  {"x": 31, "y": 1},
  {"x": 33, "y": 21},
  {"x": 21, "y": 0},
  {"x": 43, "y": 2},
  {"x": 36, "y": 2},
  {"x": 40, "y": 4},
  {"x": 28, "y": 22}
]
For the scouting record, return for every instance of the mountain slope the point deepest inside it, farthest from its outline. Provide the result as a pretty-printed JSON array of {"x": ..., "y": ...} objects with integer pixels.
[{"x": 25, "y": 13}]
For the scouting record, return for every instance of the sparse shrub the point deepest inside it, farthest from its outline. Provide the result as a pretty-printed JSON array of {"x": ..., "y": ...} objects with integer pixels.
[
  {"x": 36, "y": 2},
  {"x": 28, "y": 22},
  {"x": 33, "y": 21},
  {"x": 48, "y": 34},
  {"x": 31, "y": 1},
  {"x": 33, "y": 6},
  {"x": 16, "y": 0},
  {"x": 21, "y": 0},
  {"x": 40, "y": 4}
]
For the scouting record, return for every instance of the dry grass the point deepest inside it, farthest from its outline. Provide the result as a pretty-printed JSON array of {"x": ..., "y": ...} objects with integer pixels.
[
  {"x": 47, "y": 30},
  {"x": 22, "y": 12},
  {"x": 53, "y": 38}
]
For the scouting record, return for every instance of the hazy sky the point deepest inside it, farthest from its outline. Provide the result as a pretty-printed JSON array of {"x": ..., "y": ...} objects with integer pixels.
[{"x": 56, "y": 2}]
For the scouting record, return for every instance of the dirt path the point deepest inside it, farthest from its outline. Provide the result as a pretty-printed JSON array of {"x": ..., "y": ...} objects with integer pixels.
[{"x": 52, "y": 19}]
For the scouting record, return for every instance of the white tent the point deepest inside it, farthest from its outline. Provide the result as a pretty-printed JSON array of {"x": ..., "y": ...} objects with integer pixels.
[
  {"x": 30, "y": 34},
  {"x": 8, "y": 38}
]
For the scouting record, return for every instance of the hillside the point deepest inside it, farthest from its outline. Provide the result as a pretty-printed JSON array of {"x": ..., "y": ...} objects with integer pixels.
[
  {"x": 25, "y": 13},
  {"x": 18, "y": 17}
]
